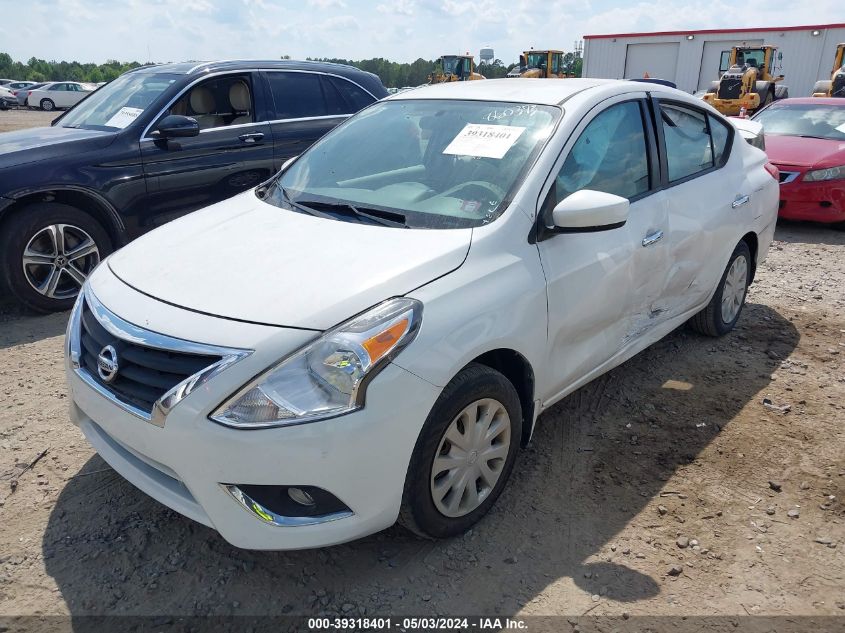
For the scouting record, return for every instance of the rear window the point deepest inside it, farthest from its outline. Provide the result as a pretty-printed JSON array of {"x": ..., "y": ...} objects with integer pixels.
[{"x": 297, "y": 95}]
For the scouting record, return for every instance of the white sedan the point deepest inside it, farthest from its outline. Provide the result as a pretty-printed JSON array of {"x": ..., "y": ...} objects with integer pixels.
[
  {"x": 58, "y": 94},
  {"x": 372, "y": 334}
]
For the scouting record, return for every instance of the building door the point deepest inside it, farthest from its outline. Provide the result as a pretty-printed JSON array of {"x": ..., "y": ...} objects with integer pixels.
[{"x": 660, "y": 61}]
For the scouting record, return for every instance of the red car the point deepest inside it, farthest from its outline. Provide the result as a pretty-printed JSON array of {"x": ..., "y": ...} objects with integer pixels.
[{"x": 805, "y": 138}]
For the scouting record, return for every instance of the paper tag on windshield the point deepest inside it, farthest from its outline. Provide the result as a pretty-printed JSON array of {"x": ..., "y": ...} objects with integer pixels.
[
  {"x": 484, "y": 141},
  {"x": 841, "y": 128},
  {"x": 124, "y": 117}
]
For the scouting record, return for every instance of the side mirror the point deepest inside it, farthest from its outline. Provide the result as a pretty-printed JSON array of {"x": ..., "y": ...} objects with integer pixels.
[
  {"x": 177, "y": 126},
  {"x": 587, "y": 210}
]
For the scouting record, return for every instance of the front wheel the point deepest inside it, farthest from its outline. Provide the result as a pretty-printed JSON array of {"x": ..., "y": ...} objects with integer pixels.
[
  {"x": 464, "y": 454},
  {"x": 47, "y": 105},
  {"x": 47, "y": 250},
  {"x": 722, "y": 313}
]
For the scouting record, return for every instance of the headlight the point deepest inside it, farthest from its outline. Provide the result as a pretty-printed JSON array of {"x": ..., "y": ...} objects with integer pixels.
[
  {"x": 328, "y": 377},
  {"x": 831, "y": 173}
]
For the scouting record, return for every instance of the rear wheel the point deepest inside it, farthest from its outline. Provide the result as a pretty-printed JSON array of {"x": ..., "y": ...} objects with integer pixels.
[
  {"x": 722, "y": 313},
  {"x": 48, "y": 105},
  {"x": 47, "y": 251},
  {"x": 464, "y": 454}
]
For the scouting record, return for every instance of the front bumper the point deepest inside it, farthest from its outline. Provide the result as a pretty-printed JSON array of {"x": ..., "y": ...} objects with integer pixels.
[
  {"x": 813, "y": 201},
  {"x": 361, "y": 458}
]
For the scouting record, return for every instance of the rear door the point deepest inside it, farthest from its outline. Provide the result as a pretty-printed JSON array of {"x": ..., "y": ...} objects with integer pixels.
[
  {"x": 233, "y": 151},
  {"x": 59, "y": 95},
  {"x": 704, "y": 197},
  {"x": 306, "y": 105}
]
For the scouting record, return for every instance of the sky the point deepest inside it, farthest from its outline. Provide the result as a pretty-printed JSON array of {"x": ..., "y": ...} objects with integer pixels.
[{"x": 400, "y": 30}]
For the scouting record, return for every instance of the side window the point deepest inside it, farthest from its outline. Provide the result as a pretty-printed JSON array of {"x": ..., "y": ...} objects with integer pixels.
[
  {"x": 724, "y": 61},
  {"x": 611, "y": 155},
  {"x": 335, "y": 103},
  {"x": 296, "y": 95},
  {"x": 720, "y": 134},
  {"x": 218, "y": 102},
  {"x": 62, "y": 87},
  {"x": 354, "y": 97},
  {"x": 688, "y": 149}
]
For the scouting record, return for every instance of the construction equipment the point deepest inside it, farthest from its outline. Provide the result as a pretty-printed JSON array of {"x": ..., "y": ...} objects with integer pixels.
[
  {"x": 835, "y": 86},
  {"x": 749, "y": 82},
  {"x": 455, "y": 68},
  {"x": 541, "y": 64}
]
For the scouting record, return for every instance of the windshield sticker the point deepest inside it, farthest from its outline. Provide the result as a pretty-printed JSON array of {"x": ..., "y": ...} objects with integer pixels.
[
  {"x": 484, "y": 141},
  {"x": 529, "y": 109},
  {"x": 841, "y": 128},
  {"x": 124, "y": 117}
]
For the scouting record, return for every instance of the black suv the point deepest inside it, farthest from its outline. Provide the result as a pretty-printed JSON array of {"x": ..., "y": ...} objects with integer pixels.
[{"x": 154, "y": 144}]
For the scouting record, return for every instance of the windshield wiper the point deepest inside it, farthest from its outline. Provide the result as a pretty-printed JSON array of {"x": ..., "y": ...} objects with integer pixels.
[{"x": 385, "y": 218}]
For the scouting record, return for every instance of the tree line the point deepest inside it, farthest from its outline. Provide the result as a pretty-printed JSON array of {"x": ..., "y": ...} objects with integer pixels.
[{"x": 392, "y": 74}]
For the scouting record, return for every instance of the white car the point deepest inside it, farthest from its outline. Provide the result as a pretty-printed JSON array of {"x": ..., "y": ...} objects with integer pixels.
[
  {"x": 58, "y": 94},
  {"x": 371, "y": 334}
]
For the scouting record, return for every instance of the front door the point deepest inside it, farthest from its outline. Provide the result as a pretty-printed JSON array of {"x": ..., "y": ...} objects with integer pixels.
[
  {"x": 604, "y": 287},
  {"x": 233, "y": 151}
]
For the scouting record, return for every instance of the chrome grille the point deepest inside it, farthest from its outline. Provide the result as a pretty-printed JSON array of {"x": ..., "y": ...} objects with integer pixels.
[{"x": 144, "y": 374}]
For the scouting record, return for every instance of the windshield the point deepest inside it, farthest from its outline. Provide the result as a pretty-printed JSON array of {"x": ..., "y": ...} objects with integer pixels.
[
  {"x": 820, "y": 121},
  {"x": 536, "y": 60},
  {"x": 117, "y": 104},
  {"x": 452, "y": 65},
  {"x": 752, "y": 56},
  {"x": 438, "y": 163}
]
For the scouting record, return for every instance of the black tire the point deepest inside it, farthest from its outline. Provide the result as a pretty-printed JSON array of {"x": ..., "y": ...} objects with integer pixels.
[
  {"x": 418, "y": 512},
  {"x": 709, "y": 321},
  {"x": 22, "y": 227},
  {"x": 47, "y": 105}
]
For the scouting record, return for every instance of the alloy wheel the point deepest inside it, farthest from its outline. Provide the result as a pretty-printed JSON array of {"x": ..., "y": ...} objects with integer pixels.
[
  {"x": 733, "y": 293},
  {"x": 470, "y": 458},
  {"x": 58, "y": 259}
]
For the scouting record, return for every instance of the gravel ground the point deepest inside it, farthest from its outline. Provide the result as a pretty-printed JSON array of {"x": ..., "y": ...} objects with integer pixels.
[
  {"x": 703, "y": 477},
  {"x": 16, "y": 119}
]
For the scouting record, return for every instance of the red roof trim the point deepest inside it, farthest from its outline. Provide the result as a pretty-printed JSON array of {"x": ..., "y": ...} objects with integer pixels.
[{"x": 760, "y": 29}]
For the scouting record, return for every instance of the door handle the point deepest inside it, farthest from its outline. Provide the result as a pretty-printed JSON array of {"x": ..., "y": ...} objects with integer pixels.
[
  {"x": 652, "y": 238},
  {"x": 740, "y": 200},
  {"x": 252, "y": 137}
]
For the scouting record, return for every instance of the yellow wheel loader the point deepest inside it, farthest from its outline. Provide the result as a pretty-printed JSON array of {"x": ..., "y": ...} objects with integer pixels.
[
  {"x": 835, "y": 86},
  {"x": 540, "y": 64},
  {"x": 749, "y": 82},
  {"x": 455, "y": 68}
]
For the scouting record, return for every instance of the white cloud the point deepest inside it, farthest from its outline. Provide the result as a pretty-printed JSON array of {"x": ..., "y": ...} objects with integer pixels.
[{"x": 326, "y": 4}]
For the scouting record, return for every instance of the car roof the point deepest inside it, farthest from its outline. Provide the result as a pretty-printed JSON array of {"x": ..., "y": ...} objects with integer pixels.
[
  {"x": 191, "y": 68},
  {"x": 835, "y": 101},
  {"x": 540, "y": 91}
]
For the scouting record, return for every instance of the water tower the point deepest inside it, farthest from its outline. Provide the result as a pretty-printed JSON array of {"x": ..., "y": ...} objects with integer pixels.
[{"x": 486, "y": 55}]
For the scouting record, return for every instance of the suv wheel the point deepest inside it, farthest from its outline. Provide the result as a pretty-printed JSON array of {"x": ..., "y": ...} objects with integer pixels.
[
  {"x": 722, "y": 313},
  {"x": 47, "y": 250},
  {"x": 47, "y": 104},
  {"x": 464, "y": 454}
]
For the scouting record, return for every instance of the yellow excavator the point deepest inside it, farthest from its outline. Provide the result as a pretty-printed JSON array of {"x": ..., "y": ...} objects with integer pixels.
[
  {"x": 749, "y": 82},
  {"x": 455, "y": 68},
  {"x": 835, "y": 86},
  {"x": 546, "y": 64}
]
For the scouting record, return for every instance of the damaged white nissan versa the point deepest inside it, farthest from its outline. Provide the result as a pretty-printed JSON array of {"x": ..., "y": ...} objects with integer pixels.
[{"x": 371, "y": 335}]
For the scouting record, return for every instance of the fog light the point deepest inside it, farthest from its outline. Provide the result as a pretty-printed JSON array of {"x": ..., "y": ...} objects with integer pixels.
[{"x": 301, "y": 497}]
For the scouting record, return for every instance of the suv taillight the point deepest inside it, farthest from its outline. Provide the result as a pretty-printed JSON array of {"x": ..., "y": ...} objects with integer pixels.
[{"x": 774, "y": 172}]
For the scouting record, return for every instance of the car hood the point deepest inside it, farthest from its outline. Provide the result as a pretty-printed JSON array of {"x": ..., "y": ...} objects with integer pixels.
[
  {"x": 248, "y": 260},
  {"x": 41, "y": 143},
  {"x": 805, "y": 152}
]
